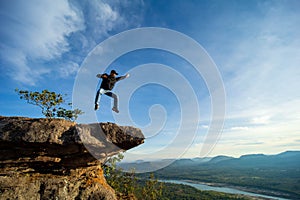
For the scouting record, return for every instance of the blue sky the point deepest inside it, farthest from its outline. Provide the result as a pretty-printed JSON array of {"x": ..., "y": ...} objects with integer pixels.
[{"x": 254, "y": 44}]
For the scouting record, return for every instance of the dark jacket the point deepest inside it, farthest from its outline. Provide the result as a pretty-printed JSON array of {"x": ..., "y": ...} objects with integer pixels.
[{"x": 108, "y": 81}]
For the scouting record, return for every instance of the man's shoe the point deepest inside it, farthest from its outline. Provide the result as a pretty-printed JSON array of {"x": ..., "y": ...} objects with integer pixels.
[
  {"x": 96, "y": 106},
  {"x": 115, "y": 109}
]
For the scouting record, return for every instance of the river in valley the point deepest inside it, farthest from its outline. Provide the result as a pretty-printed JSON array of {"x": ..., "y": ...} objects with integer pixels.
[{"x": 203, "y": 186}]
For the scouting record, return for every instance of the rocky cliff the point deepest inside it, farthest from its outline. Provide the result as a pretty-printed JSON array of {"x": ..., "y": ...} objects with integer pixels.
[{"x": 58, "y": 159}]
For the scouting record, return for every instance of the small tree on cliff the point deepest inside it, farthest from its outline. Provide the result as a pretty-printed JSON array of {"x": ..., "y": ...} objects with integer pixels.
[{"x": 50, "y": 103}]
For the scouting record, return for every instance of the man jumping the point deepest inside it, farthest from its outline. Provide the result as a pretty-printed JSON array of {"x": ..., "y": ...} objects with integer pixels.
[{"x": 107, "y": 84}]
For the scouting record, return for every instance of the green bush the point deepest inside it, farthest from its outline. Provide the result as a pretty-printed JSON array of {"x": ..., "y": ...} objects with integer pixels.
[
  {"x": 123, "y": 183},
  {"x": 152, "y": 189},
  {"x": 127, "y": 184}
]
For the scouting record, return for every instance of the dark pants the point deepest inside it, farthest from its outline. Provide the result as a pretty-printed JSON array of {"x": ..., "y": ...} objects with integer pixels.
[{"x": 108, "y": 93}]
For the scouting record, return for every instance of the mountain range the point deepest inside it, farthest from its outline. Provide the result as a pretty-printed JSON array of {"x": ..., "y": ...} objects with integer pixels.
[{"x": 288, "y": 159}]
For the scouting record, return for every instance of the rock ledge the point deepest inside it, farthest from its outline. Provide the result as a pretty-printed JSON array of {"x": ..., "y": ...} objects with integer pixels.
[{"x": 58, "y": 159}]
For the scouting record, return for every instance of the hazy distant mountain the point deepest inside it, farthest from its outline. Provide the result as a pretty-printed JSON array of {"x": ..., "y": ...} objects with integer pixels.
[
  {"x": 145, "y": 166},
  {"x": 218, "y": 159},
  {"x": 183, "y": 162},
  {"x": 201, "y": 160},
  {"x": 289, "y": 154},
  {"x": 285, "y": 159}
]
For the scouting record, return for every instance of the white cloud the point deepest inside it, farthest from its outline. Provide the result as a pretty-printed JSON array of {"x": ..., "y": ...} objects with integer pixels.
[
  {"x": 36, "y": 32},
  {"x": 68, "y": 69},
  {"x": 266, "y": 69},
  {"x": 261, "y": 120},
  {"x": 103, "y": 17},
  {"x": 240, "y": 128},
  {"x": 204, "y": 126},
  {"x": 39, "y": 34}
]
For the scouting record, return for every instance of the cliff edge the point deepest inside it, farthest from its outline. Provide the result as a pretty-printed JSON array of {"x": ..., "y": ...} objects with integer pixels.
[{"x": 59, "y": 159}]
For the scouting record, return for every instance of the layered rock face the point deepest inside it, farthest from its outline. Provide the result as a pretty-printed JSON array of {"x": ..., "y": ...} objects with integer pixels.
[{"x": 58, "y": 159}]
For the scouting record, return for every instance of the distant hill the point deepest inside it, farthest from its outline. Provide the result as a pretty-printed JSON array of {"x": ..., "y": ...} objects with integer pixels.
[
  {"x": 183, "y": 162},
  {"x": 202, "y": 160},
  {"x": 289, "y": 154},
  {"x": 286, "y": 159},
  {"x": 145, "y": 166},
  {"x": 218, "y": 159}
]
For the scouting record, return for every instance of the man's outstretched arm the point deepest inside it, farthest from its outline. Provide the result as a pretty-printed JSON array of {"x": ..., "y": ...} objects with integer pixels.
[
  {"x": 122, "y": 77},
  {"x": 101, "y": 75}
]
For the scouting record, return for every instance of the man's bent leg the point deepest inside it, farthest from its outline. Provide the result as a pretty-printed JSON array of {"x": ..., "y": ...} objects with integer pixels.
[
  {"x": 96, "y": 100},
  {"x": 115, "y": 100},
  {"x": 115, "y": 97},
  {"x": 97, "y": 96}
]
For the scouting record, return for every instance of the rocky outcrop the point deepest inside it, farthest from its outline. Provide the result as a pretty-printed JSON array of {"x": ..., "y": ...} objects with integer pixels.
[{"x": 58, "y": 159}]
